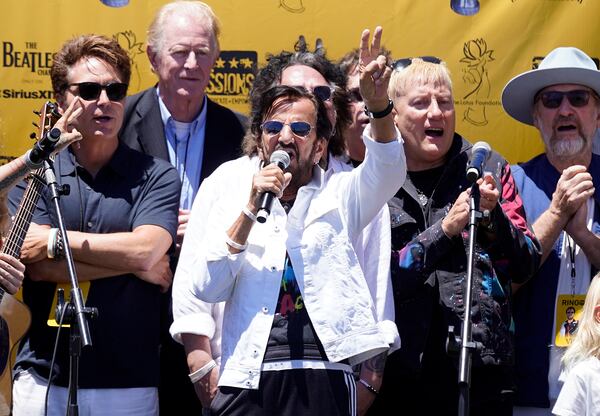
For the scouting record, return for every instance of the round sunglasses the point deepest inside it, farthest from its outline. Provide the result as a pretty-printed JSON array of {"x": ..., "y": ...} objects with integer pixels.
[
  {"x": 323, "y": 92},
  {"x": 299, "y": 128},
  {"x": 115, "y": 91}
]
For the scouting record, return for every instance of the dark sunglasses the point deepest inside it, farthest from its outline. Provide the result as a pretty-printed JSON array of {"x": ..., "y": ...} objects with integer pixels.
[
  {"x": 115, "y": 91},
  {"x": 553, "y": 99},
  {"x": 402, "y": 63},
  {"x": 323, "y": 92},
  {"x": 274, "y": 127}
]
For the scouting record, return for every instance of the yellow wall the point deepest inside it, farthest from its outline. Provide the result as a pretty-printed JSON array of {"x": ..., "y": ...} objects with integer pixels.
[{"x": 483, "y": 51}]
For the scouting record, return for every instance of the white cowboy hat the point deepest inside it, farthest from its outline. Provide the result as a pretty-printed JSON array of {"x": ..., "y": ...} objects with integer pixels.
[{"x": 564, "y": 65}]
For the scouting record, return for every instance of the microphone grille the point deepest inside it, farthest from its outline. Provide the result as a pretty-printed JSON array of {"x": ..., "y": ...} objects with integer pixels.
[
  {"x": 482, "y": 145},
  {"x": 280, "y": 157}
]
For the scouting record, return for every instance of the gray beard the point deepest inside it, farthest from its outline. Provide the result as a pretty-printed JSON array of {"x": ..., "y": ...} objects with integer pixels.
[{"x": 567, "y": 148}]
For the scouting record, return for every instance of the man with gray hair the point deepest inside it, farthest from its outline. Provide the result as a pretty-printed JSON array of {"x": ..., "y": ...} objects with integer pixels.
[
  {"x": 176, "y": 121},
  {"x": 561, "y": 99}
]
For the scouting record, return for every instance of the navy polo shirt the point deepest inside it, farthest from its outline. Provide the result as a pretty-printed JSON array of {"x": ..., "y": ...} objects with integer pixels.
[
  {"x": 131, "y": 190},
  {"x": 534, "y": 302}
]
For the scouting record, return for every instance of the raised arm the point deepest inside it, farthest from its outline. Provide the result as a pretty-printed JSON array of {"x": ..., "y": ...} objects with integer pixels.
[{"x": 374, "y": 79}]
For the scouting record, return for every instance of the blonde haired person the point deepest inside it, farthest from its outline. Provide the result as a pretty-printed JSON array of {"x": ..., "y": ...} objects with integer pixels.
[
  {"x": 580, "y": 395},
  {"x": 429, "y": 215}
]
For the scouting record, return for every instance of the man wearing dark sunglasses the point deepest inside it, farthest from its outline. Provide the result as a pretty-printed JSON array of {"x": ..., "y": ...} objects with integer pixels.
[
  {"x": 560, "y": 98},
  {"x": 429, "y": 218},
  {"x": 178, "y": 122},
  {"x": 314, "y": 72},
  {"x": 317, "y": 74},
  {"x": 121, "y": 217},
  {"x": 299, "y": 311}
]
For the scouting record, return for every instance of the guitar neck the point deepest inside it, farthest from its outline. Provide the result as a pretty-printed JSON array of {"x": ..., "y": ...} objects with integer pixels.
[{"x": 18, "y": 230}]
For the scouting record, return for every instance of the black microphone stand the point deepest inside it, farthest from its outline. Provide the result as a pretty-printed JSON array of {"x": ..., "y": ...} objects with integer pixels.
[
  {"x": 464, "y": 344},
  {"x": 73, "y": 312}
]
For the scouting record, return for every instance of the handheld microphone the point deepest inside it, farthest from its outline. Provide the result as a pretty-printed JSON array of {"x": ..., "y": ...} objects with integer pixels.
[
  {"x": 282, "y": 159},
  {"x": 479, "y": 156},
  {"x": 44, "y": 147}
]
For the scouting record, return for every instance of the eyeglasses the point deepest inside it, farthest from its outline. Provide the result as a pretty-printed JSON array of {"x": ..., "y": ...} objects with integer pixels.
[
  {"x": 553, "y": 99},
  {"x": 402, "y": 63},
  {"x": 274, "y": 127},
  {"x": 115, "y": 91},
  {"x": 323, "y": 92}
]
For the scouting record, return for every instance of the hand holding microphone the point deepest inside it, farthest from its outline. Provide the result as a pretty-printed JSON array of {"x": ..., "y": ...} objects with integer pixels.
[
  {"x": 458, "y": 215},
  {"x": 280, "y": 159}
]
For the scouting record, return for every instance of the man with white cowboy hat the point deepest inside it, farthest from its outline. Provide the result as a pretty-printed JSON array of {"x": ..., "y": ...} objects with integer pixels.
[{"x": 561, "y": 99}]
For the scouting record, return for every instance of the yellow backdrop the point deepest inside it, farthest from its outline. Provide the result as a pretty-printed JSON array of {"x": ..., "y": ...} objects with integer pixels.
[{"x": 483, "y": 51}]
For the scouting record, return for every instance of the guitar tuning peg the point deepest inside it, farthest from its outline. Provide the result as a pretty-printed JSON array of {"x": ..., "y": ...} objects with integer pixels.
[
  {"x": 33, "y": 136},
  {"x": 36, "y": 112},
  {"x": 35, "y": 125}
]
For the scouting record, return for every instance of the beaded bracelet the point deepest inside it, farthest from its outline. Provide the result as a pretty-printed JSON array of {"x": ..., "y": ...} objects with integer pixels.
[{"x": 59, "y": 247}]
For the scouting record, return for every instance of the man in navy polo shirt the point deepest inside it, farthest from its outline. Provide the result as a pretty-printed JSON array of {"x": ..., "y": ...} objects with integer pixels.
[{"x": 121, "y": 215}]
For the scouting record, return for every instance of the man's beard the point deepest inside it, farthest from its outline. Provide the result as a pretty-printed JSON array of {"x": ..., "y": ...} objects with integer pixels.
[
  {"x": 567, "y": 148},
  {"x": 302, "y": 172}
]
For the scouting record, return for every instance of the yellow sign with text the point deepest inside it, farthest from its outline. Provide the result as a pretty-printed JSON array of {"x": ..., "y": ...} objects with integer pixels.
[{"x": 483, "y": 51}]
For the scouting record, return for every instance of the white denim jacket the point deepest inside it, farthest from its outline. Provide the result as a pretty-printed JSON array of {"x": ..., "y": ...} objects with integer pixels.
[
  {"x": 318, "y": 234},
  {"x": 373, "y": 248}
]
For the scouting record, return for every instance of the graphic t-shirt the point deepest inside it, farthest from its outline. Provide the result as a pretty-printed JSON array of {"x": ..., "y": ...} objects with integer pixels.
[{"x": 292, "y": 335}]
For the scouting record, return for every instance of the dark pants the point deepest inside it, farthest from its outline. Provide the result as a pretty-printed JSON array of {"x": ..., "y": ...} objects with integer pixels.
[
  {"x": 176, "y": 395},
  {"x": 290, "y": 392}
]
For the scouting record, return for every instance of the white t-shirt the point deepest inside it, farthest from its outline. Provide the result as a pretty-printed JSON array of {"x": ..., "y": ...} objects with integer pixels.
[{"x": 580, "y": 395}]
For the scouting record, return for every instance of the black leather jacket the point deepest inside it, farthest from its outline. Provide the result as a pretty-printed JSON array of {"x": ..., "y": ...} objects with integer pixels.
[{"x": 429, "y": 269}]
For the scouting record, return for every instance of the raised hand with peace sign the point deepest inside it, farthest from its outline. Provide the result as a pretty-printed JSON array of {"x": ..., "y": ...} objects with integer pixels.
[{"x": 374, "y": 79}]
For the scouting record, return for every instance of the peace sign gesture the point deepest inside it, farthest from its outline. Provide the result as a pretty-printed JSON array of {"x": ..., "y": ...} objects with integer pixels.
[{"x": 374, "y": 72}]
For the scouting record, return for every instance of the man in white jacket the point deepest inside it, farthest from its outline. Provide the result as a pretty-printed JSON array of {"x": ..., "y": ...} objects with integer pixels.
[
  {"x": 296, "y": 295},
  {"x": 197, "y": 324}
]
